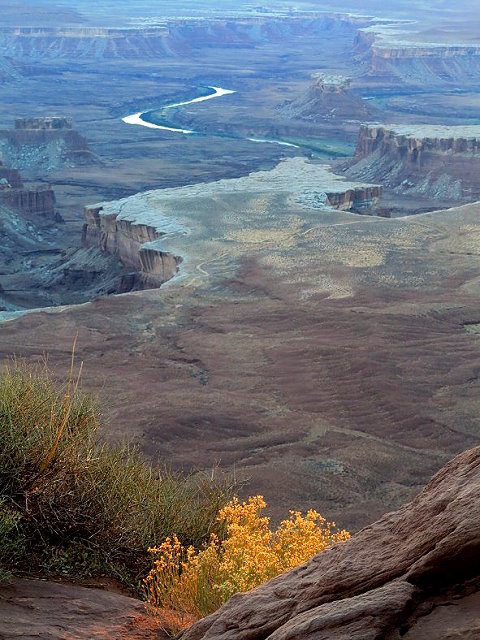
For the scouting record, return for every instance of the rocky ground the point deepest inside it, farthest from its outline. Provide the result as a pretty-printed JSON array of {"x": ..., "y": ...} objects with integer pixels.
[{"x": 38, "y": 609}]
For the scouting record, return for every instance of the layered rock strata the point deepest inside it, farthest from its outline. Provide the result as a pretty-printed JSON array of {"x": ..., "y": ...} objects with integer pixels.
[
  {"x": 146, "y": 231},
  {"x": 36, "y": 201},
  {"x": 418, "y": 144},
  {"x": 394, "y": 579},
  {"x": 329, "y": 97},
  {"x": 10, "y": 178},
  {"x": 44, "y": 124},
  {"x": 38, "y": 145},
  {"x": 30, "y": 202},
  {"x": 165, "y": 38},
  {"x": 393, "y": 51},
  {"x": 438, "y": 162},
  {"x": 125, "y": 239}
]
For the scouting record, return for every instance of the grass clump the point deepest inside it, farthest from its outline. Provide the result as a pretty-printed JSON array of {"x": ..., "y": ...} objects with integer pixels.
[
  {"x": 83, "y": 506},
  {"x": 186, "y": 584}
]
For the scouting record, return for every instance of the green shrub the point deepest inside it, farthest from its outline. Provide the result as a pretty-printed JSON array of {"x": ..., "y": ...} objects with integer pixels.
[
  {"x": 12, "y": 542},
  {"x": 70, "y": 489}
]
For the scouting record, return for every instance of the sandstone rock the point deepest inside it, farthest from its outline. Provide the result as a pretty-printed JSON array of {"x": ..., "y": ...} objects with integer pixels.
[
  {"x": 441, "y": 163},
  {"x": 393, "y": 578},
  {"x": 12, "y": 176},
  {"x": 329, "y": 98},
  {"x": 394, "y": 51},
  {"x": 38, "y": 145},
  {"x": 49, "y": 611},
  {"x": 36, "y": 201},
  {"x": 125, "y": 240},
  {"x": 47, "y": 124}
]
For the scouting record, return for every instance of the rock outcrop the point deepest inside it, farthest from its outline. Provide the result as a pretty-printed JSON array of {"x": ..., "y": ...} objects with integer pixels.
[
  {"x": 44, "y": 124},
  {"x": 38, "y": 145},
  {"x": 417, "y": 145},
  {"x": 47, "y": 610},
  {"x": 10, "y": 178},
  {"x": 165, "y": 38},
  {"x": 392, "y": 52},
  {"x": 354, "y": 199},
  {"x": 38, "y": 201},
  {"x": 329, "y": 98},
  {"x": 440, "y": 163},
  {"x": 414, "y": 574},
  {"x": 124, "y": 240}
]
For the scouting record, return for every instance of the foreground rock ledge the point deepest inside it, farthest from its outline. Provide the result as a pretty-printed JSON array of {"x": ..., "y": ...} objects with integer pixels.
[
  {"x": 50, "y": 611},
  {"x": 414, "y": 574}
]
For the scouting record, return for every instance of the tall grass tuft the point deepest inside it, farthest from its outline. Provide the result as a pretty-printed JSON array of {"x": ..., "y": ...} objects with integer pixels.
[{"x": 67, "y": 488}]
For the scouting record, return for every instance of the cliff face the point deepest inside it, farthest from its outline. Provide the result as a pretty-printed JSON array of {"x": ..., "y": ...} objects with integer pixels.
[
  {"x": 352, "y": 199},
  {"x": 40, "y": 144},
  {"x": 173, "y": 37},
  {"x": 124, "y": 239},
  {"x": 391, "y": 53},
  {"x": 12, "y": 176},
  {"x": 440, "y": 162},
  {"x": 47, "y": 124},
  {"x": 329, "y": 98},
  {"x": 414, "y": 574},
  {"x": 418, "y": 145},
  {"x": 28, "y": 202}
]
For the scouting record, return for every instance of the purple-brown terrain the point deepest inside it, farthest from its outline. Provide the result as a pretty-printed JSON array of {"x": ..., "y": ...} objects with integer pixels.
[{"x": 275, "y": 268}]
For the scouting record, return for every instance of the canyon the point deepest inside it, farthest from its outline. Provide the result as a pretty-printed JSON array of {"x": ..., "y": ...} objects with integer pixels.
[
  {"x": 437, "y": 165},
  {"x": 290, "y": 292}
]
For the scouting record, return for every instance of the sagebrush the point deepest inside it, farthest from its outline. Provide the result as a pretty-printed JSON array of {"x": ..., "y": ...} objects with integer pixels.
[
  {"x": 69, "y": 491},
  {"x": 186, "y": 584}
]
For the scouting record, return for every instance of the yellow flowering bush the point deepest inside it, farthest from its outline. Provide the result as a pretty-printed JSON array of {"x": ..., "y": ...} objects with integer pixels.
[{"x": 185, "y": 584}]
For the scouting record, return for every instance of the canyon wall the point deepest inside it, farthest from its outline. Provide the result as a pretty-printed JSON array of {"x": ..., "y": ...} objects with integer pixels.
[
  {"x": 47, "y": 124},
  {"x": 329, "y": 97},
  {"x": 168, "y": 38},
  {"x": 40, "y": 144},
  {"x": 418, "y": 145},
  {"x": 391, "y": 54},
  {"x": 353, "y": 199},
  {"x": 125, "y": 240},
  {"x": 440, "y": 162},
  {"x": 28, "y": 202},
  {"x": 12, "y": 176}
]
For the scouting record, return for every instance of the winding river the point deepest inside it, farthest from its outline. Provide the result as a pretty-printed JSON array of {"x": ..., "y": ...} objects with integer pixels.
[{"x": 139, "y": 118}]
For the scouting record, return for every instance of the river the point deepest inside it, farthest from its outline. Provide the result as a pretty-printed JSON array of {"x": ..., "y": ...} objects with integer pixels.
[{"x": 139, "y": 118}]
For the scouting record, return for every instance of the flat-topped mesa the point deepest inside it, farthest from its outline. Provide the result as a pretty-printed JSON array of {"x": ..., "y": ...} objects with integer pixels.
[
  {"x": 38, "y": 145},
  {"x": 416, "y": 143},
  {"x": 441, "y": 163},
  {"x": 125, "y": 239},
  {"x": 163, "y": 37},
  {"x": 44, "y": 124},
  {"x": 329, "y": 97},
  {"x": 325, "y": 83},
  {"x": 396, "y": 51}
]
